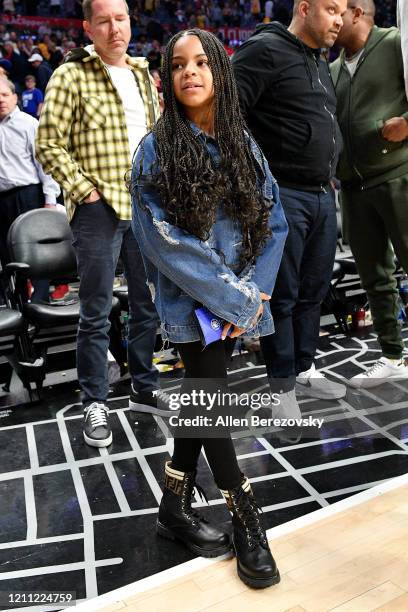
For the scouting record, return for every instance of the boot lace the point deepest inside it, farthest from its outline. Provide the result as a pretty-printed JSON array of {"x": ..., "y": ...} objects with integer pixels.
[
  {"x": 162, "y": 396},
  {"x": 374, "y": 369},
  {"x": 248, "y": 512},
  {"x": 187, "y": 497}
]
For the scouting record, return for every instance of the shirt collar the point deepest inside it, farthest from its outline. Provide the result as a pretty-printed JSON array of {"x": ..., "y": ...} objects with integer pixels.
[
  {"x": 135, "y": 62},
  {"x": 199, "y": 132},
  {"x": 10, "y": 116}
]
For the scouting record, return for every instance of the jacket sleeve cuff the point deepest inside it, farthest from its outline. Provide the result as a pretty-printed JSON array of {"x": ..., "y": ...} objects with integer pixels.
[
  {"x": 81, "y": 189},
  {"x": 247, "y": 319}
]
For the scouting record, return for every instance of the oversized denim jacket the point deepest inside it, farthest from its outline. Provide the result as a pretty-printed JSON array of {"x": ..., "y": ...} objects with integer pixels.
[{"x": 184, "y": 272}]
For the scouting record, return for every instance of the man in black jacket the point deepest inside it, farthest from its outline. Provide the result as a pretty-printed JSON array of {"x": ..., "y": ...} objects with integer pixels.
[{"x": 288, "y": 99}]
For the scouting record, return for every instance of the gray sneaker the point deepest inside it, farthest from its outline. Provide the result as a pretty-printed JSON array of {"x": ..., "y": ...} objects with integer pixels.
[
  {"x": 151, "y": 402},
  {"x": 96, "y": 428}
]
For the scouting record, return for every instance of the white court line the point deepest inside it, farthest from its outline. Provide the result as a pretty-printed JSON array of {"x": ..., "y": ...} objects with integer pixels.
[
  {"x": 89, "y": 546},
  {"x": 32, "y": 447},
  {"x": 31, "y": 510},
  {"x": 290, "y": 527},
  {"x": 56, "y": 569},
  {"x": 40, "y": 541},
  {"x": 145, "y": 467},
  {"x": 294, "y": 473},
  {"x": 356, "y": 489},
  {"x": 114, "y": 481}
]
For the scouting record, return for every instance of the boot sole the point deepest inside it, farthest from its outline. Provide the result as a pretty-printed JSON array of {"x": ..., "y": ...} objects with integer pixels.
[
  {"x": 164, "y": 532},
  {"x": 256, "y": 583},
  {"x": 135, "y": 407}
]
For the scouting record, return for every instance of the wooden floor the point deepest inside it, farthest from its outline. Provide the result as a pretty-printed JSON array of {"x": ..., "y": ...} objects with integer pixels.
[{"x": 355, "y": 561}]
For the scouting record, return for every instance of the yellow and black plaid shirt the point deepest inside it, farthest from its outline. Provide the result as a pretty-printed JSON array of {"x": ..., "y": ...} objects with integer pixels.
[{"x": 82, "y": 139}]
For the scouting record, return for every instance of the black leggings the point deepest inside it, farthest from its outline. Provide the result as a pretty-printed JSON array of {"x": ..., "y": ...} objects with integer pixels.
[{"x": 210, "y": 363}]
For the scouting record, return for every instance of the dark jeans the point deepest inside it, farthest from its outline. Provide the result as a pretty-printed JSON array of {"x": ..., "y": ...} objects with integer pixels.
[
  {"x": 210, "y": 363},
  {"x": 302, "y": 283},
  {"x": 14, "y": 203},
  {"x": 99, "y": 238}
]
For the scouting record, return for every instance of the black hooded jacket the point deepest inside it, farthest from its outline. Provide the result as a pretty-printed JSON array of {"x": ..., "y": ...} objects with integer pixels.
[{"x": 288, "y": 100}]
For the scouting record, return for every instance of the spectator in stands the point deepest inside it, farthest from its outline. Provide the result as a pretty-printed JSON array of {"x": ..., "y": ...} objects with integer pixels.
[
  {"x": 42, "y": 71},
  {"x": 23, "y": 184},
  {"x": 31, "y": 7},
  {"x": 288, "y": 98},
  {"x": 43, "y": 45},
  {"x": 373, "y": 169},
  {"x": 55, "y": 7},
  {"x": 6, "y": 67},
  {"x": 9, "y": 7},
  {"x": 32, "y": 98},
  {"x": 56, "y": 55},
  {"x": 88, "y": 153},
  {"x": 269, "y": 9},
  {"x": 18, "y": 65}
]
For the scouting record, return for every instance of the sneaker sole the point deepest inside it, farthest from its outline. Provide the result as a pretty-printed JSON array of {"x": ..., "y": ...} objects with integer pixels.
[
  {"x": 308, "y": 392},
  {"x": 165, "y": 532},
  {"x": 375, "y": 382},
  {"x": 135, "y": 407},
  {"x": 98, "y": 443}
]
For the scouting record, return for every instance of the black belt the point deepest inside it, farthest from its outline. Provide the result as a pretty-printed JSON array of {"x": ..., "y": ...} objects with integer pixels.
[
  {"x": 17, "y": 189},
  {"x": 320, "y": 188}
]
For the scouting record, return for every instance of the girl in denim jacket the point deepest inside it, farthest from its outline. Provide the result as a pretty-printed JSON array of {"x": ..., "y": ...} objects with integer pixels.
[{"x": 208, "y": 219}]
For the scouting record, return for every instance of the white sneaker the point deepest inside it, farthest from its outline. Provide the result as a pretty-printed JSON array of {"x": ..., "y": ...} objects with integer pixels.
[
  {"x": 314, "y": 384},
  {"x": 380, "y": 372},
  {"x": 288, "y": 407}
]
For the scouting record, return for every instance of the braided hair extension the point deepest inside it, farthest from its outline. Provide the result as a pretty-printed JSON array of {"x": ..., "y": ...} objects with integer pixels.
[{"x": 191, "y": 185}]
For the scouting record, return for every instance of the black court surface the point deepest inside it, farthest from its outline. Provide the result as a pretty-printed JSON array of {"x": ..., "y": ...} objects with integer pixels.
[{"x": 81, "y": 519}]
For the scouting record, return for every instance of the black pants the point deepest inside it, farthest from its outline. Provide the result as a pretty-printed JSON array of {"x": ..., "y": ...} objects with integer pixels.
[
  {"x": 14, "y": 203},
  {"x": 210, "y": 363}
]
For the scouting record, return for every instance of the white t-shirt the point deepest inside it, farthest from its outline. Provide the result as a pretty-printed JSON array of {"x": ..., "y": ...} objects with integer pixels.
[
  {"x": 352, "y": 63},
  {"x": 125, "y": 83}
]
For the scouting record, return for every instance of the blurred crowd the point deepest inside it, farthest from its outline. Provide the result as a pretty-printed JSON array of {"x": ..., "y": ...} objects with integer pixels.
[{"x": 29, "y": 54}]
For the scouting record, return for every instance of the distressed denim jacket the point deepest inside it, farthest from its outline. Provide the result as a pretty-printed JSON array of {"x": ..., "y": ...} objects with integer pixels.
[{"x": 184, "y": 271}]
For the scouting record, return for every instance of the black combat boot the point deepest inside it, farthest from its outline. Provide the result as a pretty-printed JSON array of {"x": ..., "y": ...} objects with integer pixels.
[
  {"x": 178, "y": 520},
  {"x": 255, "y": 564}
]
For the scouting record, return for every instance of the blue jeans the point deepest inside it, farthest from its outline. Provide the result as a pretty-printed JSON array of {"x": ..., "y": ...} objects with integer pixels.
[
  {"x": 99, "y": 238},
  {"x": 302, "y": 283}
]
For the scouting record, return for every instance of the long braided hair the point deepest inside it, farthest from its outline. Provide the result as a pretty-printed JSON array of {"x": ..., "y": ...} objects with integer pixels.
[{"x": 191, "y": 185}]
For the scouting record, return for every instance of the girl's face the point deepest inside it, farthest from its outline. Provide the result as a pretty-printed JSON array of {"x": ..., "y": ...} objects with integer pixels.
[{"x": 192, "y": 77}]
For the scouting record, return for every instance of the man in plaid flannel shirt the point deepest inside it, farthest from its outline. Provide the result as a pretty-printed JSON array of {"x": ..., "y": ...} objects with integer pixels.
[{"x": 98, "y": 106}]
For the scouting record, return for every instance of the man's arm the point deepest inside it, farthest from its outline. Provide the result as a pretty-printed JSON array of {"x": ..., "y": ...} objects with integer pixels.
[
  {"x": 51, "y": 189},
  {"x": 53, "y": 136},
  {"x": 395, "y": 129},
  {"x": 252, "y": 64},
  {"x": 402, "y": 21}
]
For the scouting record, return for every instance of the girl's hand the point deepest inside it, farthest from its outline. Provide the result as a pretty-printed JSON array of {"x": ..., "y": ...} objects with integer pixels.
[
  {"x": 265, "y": 297},
  {"x": 237, "y": 331}
]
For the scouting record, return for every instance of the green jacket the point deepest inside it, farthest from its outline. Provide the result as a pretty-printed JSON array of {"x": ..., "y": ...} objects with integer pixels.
[{"x": 374, "y": 94}]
